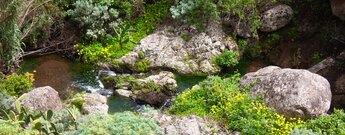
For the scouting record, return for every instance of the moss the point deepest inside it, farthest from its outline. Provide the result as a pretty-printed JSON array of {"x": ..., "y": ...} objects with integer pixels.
[
  {"x": 142, "y": 66},
  {"x": 141, "y": 54},
  {"x": 186, "y": 37},
  {"x": 145, "y": 86}
]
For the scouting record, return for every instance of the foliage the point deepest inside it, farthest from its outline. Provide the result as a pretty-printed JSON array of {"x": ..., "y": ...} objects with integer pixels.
[
  {"x": 15, "y": 85},
  {"x": 201, "y": 11},
  {"x": 94, "y": 16},
  {"x": 122, "y": 33},
  {"x": 226, "y": 101},
  {"x": 226, "y": 59},
  {"x": 302, "y": 132},
  {"x": 10, "y": 44},
  {"x": 316, "y": 57},
  {"x": 65, "y": 119},
  {"x": 110, "y": 48},
  {"x": 78, "y": 100},
  {"x": 142, "y": 66},
  {"x": 5, "y": 101},
  {"x": 332, "y": 124},
  {"x": 194, "y": 11},
  {"x": 118, "y": 123},
  {"x": 37, "y": 121}
]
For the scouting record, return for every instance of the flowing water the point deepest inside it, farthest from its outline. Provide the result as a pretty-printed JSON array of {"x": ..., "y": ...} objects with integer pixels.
[{"x": 68, "y": 77}]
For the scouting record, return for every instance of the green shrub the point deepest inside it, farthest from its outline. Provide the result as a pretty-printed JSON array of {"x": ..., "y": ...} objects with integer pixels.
[
  {"x": 63, "y": 120},
  {"x": 94, "y": 16},
  {"x": 332, "y": 124},
  {"x": 194, "y": 11},
  {"x": 78, "y": 100},
  {"x": 226, "y": 101},
  {"x": 15, "y": 85},
  {"x": 226, "y": 59},
  {"x": 8, "y": 128},
  {"x": 302, "y": 131},
  {"x": 110, "y": 48},
  {"x": 201, "y": 11},
  {"x": 119, "y": 123}
]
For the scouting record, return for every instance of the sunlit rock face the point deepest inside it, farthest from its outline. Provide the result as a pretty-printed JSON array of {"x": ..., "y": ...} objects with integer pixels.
[
  {"x": 292, "y": 92},
  {"x": 165, "y": 49}
]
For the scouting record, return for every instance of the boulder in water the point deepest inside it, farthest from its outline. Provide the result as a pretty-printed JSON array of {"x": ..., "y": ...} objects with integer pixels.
[{"x": 155, "y": 89}]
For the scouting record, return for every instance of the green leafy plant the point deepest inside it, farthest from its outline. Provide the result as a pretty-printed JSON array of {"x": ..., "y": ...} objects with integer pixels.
[
  {"x": 110, "y": 48},
  {"x": 194, "y": 11},
  {"x": 15, "y": 85},
  {"x": 316, "y": 57},
  {"x": 227, "y": 102},
  {"x": 226, "y": 59},
  {"x": 94, "y": 16},
  {"x": 122, "y": 33},
  {"x": 40, "y": 121},
  {"x": 332, "y": 124},
  {"x": 66, "y": 119}
]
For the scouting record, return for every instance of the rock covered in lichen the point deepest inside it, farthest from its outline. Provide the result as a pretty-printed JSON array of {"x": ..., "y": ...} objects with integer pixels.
[
  {"x": 155, "y": 89},
  {"x": 276, "y": 18},
  {"x": 292, "y": 92},
  {"x": 164, "y": 49},
  {"x": 42, "y": 99},
  {"x": 94, "y": 103}
]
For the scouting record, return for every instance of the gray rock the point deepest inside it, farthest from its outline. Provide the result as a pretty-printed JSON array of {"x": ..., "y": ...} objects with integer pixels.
[
  {"x": 192, "y": 125},
  {"x": 42, "y": 99},
  {"x": 166, "y": 50},
  {"x": 292, "y": 92},
  {"x": 276, "y": 18},
  {"x": 124, "y": 93},
  {"x": 94, "y": 103},
  {"x": 155, "y": 89},
  {"x": 338, "y": 8}
]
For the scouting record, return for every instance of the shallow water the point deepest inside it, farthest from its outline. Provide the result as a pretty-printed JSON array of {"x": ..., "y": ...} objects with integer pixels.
[{"x": 62, "y": 75}]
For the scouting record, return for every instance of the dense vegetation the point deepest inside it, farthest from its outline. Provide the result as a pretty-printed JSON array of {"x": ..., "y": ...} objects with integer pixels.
[
  {"x": 229, "y": 103},
  {"x": 98, "y": 31}
]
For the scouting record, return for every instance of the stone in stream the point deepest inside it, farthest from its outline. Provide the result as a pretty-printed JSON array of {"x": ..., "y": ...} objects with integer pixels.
[
  {"x": 123, "y": 92},
  {"x": 42, "y": 99},
  {"x": 155, "y": 89},
  {"x": 276, "y": 18},
  {"x": 94, "y": 103},
  {"x": 292, "y": 92},
  {"x": 167, "y": 50}
]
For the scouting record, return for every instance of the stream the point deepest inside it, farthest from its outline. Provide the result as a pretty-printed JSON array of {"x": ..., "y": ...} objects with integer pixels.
[{"x": 69, "y": 78}]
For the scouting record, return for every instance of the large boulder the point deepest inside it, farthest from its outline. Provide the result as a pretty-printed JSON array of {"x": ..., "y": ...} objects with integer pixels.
[
  {"x": 276, "y": 18},
  {"x": 94, "y": 103},
  {"x": 155, "y": 89},
  {"x": 42, "y": 99},
  {"x": 338, "y": 8},
  {"x": 189, "y": 53},
  {"x": 292, "y": 92}
]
